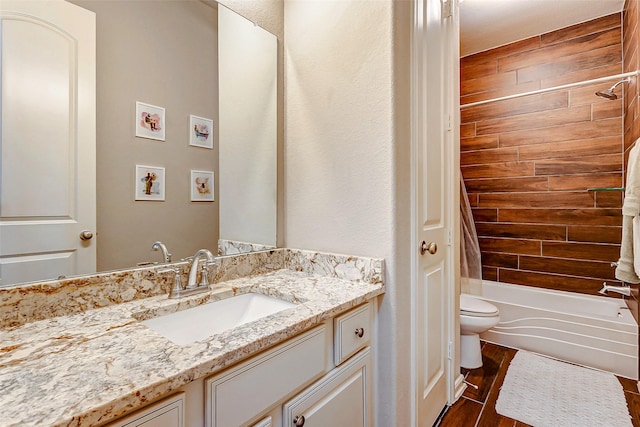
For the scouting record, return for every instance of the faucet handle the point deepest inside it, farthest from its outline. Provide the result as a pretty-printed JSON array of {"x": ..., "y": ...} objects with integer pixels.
[
  {"x": 177, "y": 280},
  {"x": 204, "y": 272}
]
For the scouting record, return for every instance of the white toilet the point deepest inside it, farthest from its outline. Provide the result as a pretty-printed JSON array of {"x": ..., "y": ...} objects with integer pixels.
[{"x": 476, "y": 317}]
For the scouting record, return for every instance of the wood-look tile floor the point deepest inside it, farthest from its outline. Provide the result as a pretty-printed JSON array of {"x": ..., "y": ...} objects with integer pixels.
[{"x": 477, "y": 408}]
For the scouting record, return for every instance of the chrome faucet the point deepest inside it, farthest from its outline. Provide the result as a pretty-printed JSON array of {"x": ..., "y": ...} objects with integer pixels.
[
  {"x": 204, "y": 270},
  {"x": 623, "y": 290},
  {"x": 192, "y": 286},
  {"x": 166, "y": 256}
]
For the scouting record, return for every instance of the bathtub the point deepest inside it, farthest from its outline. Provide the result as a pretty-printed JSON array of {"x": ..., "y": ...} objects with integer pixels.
[{"x": 586, "y": 330}]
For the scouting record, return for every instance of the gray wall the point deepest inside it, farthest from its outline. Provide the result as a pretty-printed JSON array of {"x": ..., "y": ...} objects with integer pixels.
[{"x": 165, "y": 54}]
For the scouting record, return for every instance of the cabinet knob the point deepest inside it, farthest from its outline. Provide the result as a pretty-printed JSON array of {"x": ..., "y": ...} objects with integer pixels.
[
  {"x": 298, "y": 421},
  {"x": 360, "y": 332}
]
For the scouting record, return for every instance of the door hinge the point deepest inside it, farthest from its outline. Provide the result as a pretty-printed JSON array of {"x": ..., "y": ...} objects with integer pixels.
[
  {"x": 450, "y": 123},
  {"x": 450, "y": 350},
  {"x": 449, "y": 238}
]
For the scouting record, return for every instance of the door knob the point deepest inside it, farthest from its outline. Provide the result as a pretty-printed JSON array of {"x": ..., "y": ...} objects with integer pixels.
[
  {"x": 86, "y": 235},
  {"x": 430, "y": 247}
]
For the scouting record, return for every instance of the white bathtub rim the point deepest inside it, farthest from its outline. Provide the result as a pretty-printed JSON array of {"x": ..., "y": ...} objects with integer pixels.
[{"x": 625, "y": 318}]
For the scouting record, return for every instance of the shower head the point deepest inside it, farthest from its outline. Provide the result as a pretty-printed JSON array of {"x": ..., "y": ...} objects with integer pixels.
[{"x": 608, "y": 93}]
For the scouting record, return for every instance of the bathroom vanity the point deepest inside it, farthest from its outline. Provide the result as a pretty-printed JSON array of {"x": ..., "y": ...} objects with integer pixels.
[{"x": 311, "y": 363}]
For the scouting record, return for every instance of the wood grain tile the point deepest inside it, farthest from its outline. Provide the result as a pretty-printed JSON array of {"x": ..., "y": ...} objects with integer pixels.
[
  {"x": 579, "y": 165},
  {"x": 516, "y": 106},
  {"x": 546, "y": 199},
  {"x": 586, "y": 251},
  {"x": 498, "y": 170},
  {"x": 463, "y": 413},
  {"x": 496, "y": 155},
  {"x": 485, "y": 376},
  {"x": 610, "y": 21},
  {"x": 522, "y": 231},
  {"x": 499, "y": 260},
  {"x": 580, "y": 217},
  {"x": 500, "y": 52},
  {"x": 579, "y": 233},
  {"x": 480, "y": 143},
  {"x": 540, "y": 56},
  {"x": 479, "y": 70},
  {"x": 467, "y": 130},
  {"x": 606, "y": 110},
  {"x": 500, "y": 185},
  {"x": 551, "y": 281},
  {"x": 510, "y": 246},
  {"x": 633, "y": 403},
  {"x": 484, "y": 215},
  {"x": 584, "y": 182},
  {"x": 468, "y": 87},
  {"x": 569, "y": 64},
  {"x": 629, "y": 26},
  {"x": 582, "y": 75},
  {"x": 535, "y": 120},
  {"x": 562, "y": 133},
  {"x": 629, "y": 385},
  {"x": 492, "y": 93},
  {"x": 490, "y": 273},
  {"x": 574, "y": 140},
  {"x": 579, "y": 268},
  {"x": 489, "y": 417},
  {"x": 582, "y": 95},
  {"x": 559, "y": 150},
  {"x": 608, "y": 199}
]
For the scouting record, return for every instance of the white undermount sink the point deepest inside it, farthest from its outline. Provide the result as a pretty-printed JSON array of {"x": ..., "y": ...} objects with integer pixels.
[{"x": 194, "y": 324}]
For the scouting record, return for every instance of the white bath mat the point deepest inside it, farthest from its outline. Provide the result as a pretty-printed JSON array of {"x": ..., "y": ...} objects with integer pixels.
[{"x": 545, "y": 392}]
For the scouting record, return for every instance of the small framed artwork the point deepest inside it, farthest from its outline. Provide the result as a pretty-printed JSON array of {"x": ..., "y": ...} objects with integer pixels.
[
  {"x": 202, "y": 186},
  {"x": 150, "y": 121},
  {"x": 200, "y": 132},
  {"x": 149, "y": 183}
]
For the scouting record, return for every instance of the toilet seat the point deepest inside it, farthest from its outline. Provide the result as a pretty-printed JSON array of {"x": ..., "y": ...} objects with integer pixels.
[{"x": 470, "y": 306}]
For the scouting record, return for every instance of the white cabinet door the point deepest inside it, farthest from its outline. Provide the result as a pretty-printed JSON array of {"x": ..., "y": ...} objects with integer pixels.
[
  {"x": 240, "y": 395},
  {"x": 341, "y": 398},
  {"x": 47, "y": 140},
  {"x": 266, "y": 422},
  {"x": 166, "y": 413}
]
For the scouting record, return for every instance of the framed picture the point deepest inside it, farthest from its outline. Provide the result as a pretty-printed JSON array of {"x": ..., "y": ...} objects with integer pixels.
[
  {"x": 200, "y": 132},
  {"x": 150, "y": 121},
  {"x": 149, "y": 183},
  {"x": 202, "y": 186}
]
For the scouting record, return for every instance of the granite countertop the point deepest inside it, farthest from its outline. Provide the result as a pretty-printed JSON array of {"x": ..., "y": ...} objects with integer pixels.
[{"x": 91, "y": 367}]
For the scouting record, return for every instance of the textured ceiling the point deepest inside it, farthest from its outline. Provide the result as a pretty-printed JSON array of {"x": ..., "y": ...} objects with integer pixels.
[{"x": 485, "y": 24}]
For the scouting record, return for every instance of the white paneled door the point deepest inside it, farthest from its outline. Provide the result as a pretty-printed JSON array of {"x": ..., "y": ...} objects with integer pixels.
[
  {"x": 432, "y": 160},
  {"x": 47, "y": 140}
]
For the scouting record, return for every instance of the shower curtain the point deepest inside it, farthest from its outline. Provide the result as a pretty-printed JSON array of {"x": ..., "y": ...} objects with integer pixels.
[{"x": 470, "y": 262}]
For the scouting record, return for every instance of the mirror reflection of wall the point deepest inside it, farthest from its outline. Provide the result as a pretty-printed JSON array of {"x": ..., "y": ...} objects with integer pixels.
[
  {"x": 139, "y": 59},
  {"x": 165, "y": 54},
  {"x": 248, "y": 134}
]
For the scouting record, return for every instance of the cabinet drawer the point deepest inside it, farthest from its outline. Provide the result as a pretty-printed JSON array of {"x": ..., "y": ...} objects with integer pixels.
[
  {"x": 265, "y": 422},
  {"x": 352, "y": 332},
  {"x": 166, "y": 413},
  {"x": 341, "y": 398},
  {"x": 241, "y": 394}
]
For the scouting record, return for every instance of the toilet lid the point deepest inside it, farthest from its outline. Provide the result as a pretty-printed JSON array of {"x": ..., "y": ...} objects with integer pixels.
[{"x": 476, "y": 307}]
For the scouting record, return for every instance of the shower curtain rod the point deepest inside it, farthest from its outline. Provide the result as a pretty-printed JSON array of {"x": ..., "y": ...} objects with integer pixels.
[{"x": 549, "y": 89}]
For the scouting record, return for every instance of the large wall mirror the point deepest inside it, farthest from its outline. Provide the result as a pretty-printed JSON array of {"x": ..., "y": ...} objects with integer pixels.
[{"x": 183, "y": 60}]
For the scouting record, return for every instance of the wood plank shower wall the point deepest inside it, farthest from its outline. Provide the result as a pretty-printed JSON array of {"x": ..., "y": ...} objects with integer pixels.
[
  {"x": 527, "y": 162},
  {"x": 631, "y": 62}
]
